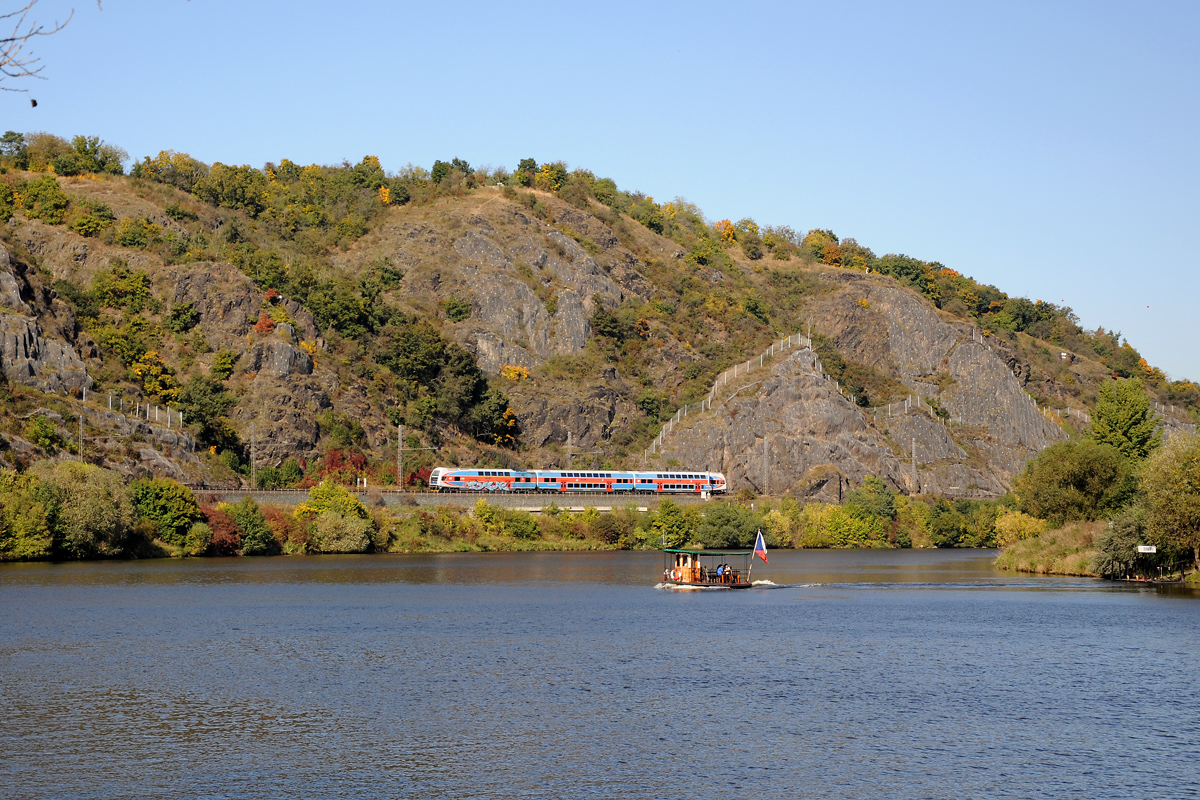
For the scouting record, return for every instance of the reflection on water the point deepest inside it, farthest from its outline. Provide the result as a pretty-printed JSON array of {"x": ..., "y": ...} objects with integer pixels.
[{"x": 895, "y": 673}]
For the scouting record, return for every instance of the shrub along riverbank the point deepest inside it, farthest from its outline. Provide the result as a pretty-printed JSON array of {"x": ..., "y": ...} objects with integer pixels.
[
  {"x": 1091, "y": 502},
  {"x": 68, "y": 510}
]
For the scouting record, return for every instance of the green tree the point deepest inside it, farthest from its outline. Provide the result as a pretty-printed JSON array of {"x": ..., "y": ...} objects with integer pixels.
[
  {"x": 177, "y": 169},
  {"x": 89, "y": 508},
  {"x": 43, "y": 433},
  {"x": 204, "y": 403},
  {"x": 652, "y": 403},
  {"x": 233, "y": 187},
  {"x": 873, "y": 498},
  {"x": 606, "y": 324},
  {"x": 729, "y": 525},
  {"x": 495, "y": 421},
  {"x": 526, "y": 169},
  {"x": 183, "y": 317},
  {"x": 441, "y": 169},
  {"x": 673, "y": 524},
  {"x": 171, "y": 506},
  {"x": 94, "y": 155},
  {"x": 755, "y": 308},
  {"x": 946, "y": 524},
  {"x": 337, "y": 533},
  {"x": 122, "y": 287},
  {"x": 1116, "y": 548},
  {"x": 199, "y": 539},
  {"x": 257, "y": 539},
  {"x": 1124, "y": 420},
  {"x": 290, "y": 473},
  {"x": 45, "y": 200},
  {"x": 331, "y": 497},
  {"x": 12, "y": 144},
  {"x": 457, "y": 309},
  {"x": 223, "y": 363},
  {"x": 1171, "y": 489},
  {"x": 1077, "y": 479},
  {"x": 24, "y": 522}
]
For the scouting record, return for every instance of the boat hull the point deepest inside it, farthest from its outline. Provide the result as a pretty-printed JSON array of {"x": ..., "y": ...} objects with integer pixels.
[{"x": 682, "y": 585}]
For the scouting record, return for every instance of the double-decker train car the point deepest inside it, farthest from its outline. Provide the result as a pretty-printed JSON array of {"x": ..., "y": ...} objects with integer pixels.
[{"x": 446, "y": 479}]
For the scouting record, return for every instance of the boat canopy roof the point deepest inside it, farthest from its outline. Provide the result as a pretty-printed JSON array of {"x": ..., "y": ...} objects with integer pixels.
[{"x": 709, "y": 552}]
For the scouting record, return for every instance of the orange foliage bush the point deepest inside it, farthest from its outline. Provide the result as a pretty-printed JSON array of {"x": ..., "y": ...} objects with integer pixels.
[
  {"x": 726, "y": 231},
  {"x": 265, "y": 324}
]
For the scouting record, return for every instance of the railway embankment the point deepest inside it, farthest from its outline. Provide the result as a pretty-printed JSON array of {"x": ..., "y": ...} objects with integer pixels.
[{"x": 533, "y": 503}]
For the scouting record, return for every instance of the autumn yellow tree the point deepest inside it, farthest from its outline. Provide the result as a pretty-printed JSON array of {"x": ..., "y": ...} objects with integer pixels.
[
  {"x": 726, "y": 230},
  {"x": 158, "y": 379}
]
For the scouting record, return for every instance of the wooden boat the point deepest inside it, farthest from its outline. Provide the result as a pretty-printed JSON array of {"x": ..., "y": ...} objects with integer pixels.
[{"x": 706, "y": 569}]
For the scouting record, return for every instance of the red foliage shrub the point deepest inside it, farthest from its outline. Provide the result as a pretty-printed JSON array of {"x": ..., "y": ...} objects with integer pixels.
[
  {"x": 265, "y": 324},
  {"x": 272, "y": 296},
  {"x": 419, "y": 477},
  {"x": 227, "y": 535}
]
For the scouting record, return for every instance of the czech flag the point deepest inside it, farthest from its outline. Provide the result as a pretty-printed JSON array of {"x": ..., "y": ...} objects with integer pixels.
[{"x": 760, "y": 548}]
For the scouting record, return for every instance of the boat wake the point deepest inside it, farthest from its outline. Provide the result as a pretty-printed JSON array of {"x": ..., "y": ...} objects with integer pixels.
[{"x": 674, "y": 587}]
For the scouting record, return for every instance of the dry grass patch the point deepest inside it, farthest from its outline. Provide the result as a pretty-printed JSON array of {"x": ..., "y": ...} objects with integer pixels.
[{"x": 1064, "y": 551}]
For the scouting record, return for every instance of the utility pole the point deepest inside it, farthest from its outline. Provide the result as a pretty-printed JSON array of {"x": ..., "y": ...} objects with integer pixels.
[
  {"x": 253, "y": 458},
  {"x": 81, "y": 438},
  {"x": 766, "y": 467},
  {"x": 914, "y": 464},
  {"x": 400, "y": 456},
  {"x": 570, "y": 463}
]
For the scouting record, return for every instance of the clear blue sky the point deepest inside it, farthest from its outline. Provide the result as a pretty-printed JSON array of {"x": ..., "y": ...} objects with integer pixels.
[{"x": 1048, "y": 148}]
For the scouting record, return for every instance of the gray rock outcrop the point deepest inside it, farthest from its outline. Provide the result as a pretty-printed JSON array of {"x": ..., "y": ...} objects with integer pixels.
[
  {"x": 27, "y": 356},
  {"x": 279, "y": 358}
]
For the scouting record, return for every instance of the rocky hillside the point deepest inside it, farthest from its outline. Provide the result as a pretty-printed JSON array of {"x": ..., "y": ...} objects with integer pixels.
[{"x": 502, "y": 324}]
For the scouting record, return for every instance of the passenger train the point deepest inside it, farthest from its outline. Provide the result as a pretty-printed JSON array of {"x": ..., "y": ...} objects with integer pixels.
[{"x": 445, "y": 479}]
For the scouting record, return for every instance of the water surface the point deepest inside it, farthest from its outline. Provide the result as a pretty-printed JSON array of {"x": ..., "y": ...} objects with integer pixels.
[{"x": 864, "y": 674}]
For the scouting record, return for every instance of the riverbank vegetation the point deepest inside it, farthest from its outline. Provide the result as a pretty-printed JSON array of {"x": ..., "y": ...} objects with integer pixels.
[
  {"x": 1089, "y": 503},
  {"x": 70, "y": 510}
]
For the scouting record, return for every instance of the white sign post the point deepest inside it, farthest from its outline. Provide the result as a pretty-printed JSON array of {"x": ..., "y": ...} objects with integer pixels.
[{"x": 1147, "y": 548}]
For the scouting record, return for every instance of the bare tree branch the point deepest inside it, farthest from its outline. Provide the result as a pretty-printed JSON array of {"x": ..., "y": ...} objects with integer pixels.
[{"x": 16, "y": 61}]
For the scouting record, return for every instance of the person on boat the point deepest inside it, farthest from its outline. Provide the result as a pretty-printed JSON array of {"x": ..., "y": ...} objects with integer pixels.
[{"x": 720, "y": 573}]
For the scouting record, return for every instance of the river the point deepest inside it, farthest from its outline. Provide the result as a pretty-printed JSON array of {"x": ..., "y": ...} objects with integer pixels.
[{"x": 898, "y": 674}]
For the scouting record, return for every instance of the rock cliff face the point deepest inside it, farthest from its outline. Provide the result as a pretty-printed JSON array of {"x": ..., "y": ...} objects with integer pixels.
[
  {"x": 279, "y": 359},
  {"x": 786, "y": 429},
  {"x": 531, "y": 287},
  {"x": 27, "y": 356}
]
